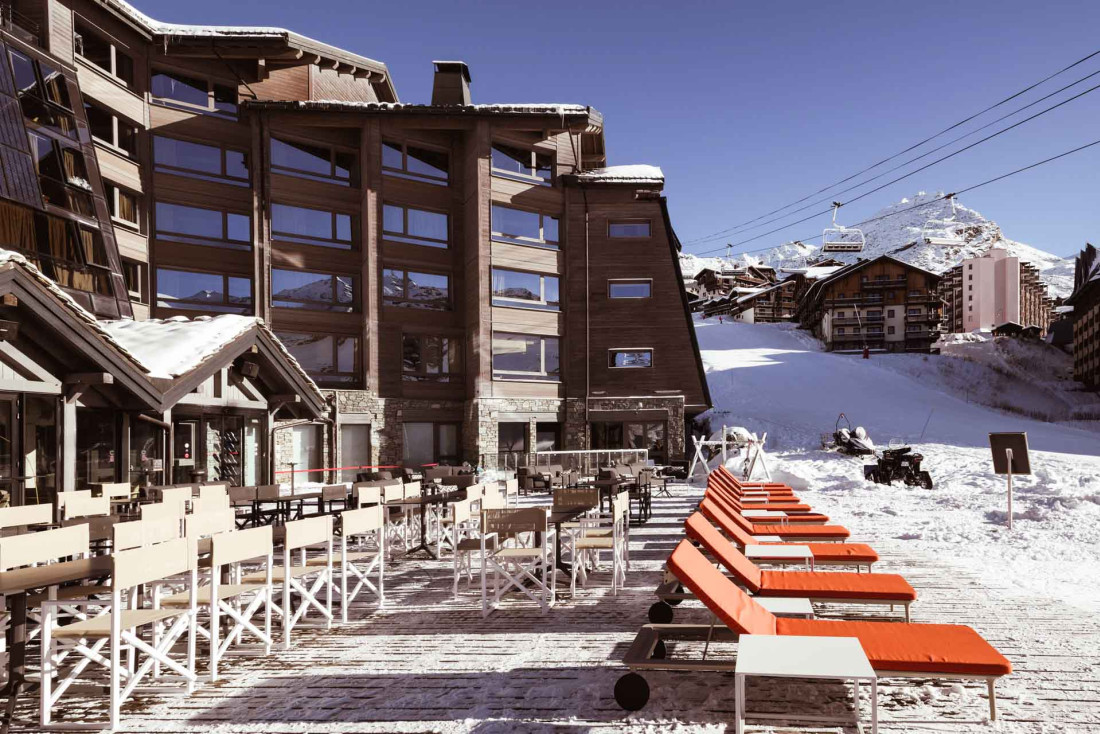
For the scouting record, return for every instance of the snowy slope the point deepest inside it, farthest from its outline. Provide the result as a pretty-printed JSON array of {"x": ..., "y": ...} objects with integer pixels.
[
  {"x": 900, "y": 235},
  {"x": 774, "y": 378}
]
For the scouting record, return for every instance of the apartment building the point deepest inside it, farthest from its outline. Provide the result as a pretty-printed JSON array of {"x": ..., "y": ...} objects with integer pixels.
[
  {"x": 993, "y": 290},
  {"x": 878, "y": 304},
  {"x": 466, "y": 282},
  {"x": 1085, "y": 301}
]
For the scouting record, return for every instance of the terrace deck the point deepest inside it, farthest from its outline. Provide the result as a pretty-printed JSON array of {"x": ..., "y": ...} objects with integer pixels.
[{"x": 428, "y": 663}]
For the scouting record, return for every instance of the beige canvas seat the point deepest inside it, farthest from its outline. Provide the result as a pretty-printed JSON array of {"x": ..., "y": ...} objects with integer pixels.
[
  {"x": 490, "y": 498},
  {"x": 119, "y": 630},
  {"x": 603, "y": 533},
  {"x": 25, "y": 515},
  {"x": 522, "y": 559},
  {"x": 361, "y": 558},
  {"x": 452, "y": 523}
]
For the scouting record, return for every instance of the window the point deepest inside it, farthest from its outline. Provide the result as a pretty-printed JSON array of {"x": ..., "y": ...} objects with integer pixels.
[
  {"x": 526, "y": 165},
  {"x": 61, "y": 175},
  {"x": 430, "y": 443},
  {"x": 855, "y": 329},
  {"x": 305, "y": 447},
  {"x": 408, "y": 160},
  {"x": 194, "y": 291},
  {"x": 123, "y": 204},
  {"x": 415, "y": 226},
  {"x": 311, "y": 226},
  {"x": 177, "y": 90},
  {"x": 912, "y": 327},
  {"x": 914, "y": 312},
  {"x": 314, "y": 162},
  {"x": 133, "y": 272},
  {"x": 354, "y": 449},
  {"x": 628, "y": 229},
  {"x": 99, "y": 51},
  {"x": 970, "y": 298},
  {"x": 629, "y": 288},
  {"x": 874, "y": 314},
  {"x": 312, "y": 291},
  {"x": 840, "y": 314},
  {"x": 890, "y": 329},
  {"x": 547, "y": 436},
  {"x": 43, "y": 94},
  {"x": 525, "y": 357},
  {"x": 525, "y": 290},
  {"x": 874, "y": 329},
  {"x": 72, "y": 255},
  {"x": 629, "y": 358},
  {"x": 840, "y": 330},
  {"x": 650, "y": 436},
  {"x": 970, "y": 266},
  {"x": 110, "y": 130},
  {"x": 196, "y": 226},
  {"x": 329, "y": 359},
  {"x": 416, "y": 290},
  {"x": 524, "y": 228},
  {"x": 890, "y": 313},
  {"x": 430, "y": 358},
  {"x": 512, "y": 437},
  {"x": 197, "y": 160}
]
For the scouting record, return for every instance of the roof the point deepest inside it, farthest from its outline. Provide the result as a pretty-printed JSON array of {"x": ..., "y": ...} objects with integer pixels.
[
  {"x": 638, "y": 173},
  {"x": 1086, "y": 274},
  {"x": 570, "y": 112}
]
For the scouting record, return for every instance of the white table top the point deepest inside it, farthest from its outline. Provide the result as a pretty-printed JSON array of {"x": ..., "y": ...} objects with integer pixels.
[
  {"x": 786, "y": 606},
  {"x": 779, "y": 552},
  {"x": 768, "y": 538},
  {"x": 791, "y": 656},
  {"x": 762, "y": 513}
]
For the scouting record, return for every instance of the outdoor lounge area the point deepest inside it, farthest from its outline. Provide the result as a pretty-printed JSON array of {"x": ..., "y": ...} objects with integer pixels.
[{"x": 389, "y": 605}]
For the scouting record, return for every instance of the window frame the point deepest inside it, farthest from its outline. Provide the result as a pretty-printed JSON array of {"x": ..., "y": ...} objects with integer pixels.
[
  {"x": 117, "y": 125},
  {"x": 201, "y": 240},
  {"x": 211, "y": 85},
  {"x": 543, "y": 375},
  {"x": 532, "y": 178},
  {"x": 79, "y": 200},
  {"x": 334, "y": 306},
  {"x": 613, "y": 351},
  {"x": 531, "y": 304},
  {"x": 629, "y": 281},
  {"x": 405, "y": 173},
  {"x": 139, "y": 270},
  {"x": 223, "y": 177},
  {"x": 227, "y": 305},
  {"x": 441, "y": 377},
  {"x": 40, "y": 96},
  {"x": 613, "y": 222},
  {"x": 332, "y": 243},
  {"x": 408, "y": 239},
  {"x": 543, "y": 243},
  {"x": 400, "y": 302},
  {"x": 352, "y": 181},
  {"x": 89, "y": 28},
  {"x": 330, "y": 379},
  {"x": 114, "y": 194}
]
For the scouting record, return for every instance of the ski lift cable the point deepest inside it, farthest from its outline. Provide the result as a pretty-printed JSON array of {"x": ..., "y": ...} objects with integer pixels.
[
  {"x": 914, "y": 159},
  {"x": 948, "y": 129},
  {"x": 926, "y": 166},
  {"x": 987, "y": 182}
]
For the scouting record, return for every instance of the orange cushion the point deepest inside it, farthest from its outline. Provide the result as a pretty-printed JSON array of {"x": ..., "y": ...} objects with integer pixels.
[
  {"x": 812, "y": 518},
  {"x": 773, "y": 504},
  {"x": 716, "y": 515},
  {"x": 840, "y": 552},
  {"x": 802, "y": 531},
  {"x": 910, "y": 648},
  {"x": 746, "y": 572},
  {"x": 737, "y": 610},
  {"x": 836, "y": 585}
]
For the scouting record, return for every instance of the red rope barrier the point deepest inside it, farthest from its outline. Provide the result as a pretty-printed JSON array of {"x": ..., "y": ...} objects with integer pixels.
[{"x": 338, "y": 468}]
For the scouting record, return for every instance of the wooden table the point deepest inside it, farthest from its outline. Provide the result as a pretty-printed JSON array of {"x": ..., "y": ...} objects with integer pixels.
[
  {"x": 15, "y": 585},
  {"x": 556, "y": 518},
  {"x": 437, "y": 498}
]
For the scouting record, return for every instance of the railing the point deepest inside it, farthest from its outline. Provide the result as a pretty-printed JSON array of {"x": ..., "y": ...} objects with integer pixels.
[
  {"x": 894, "y": 283},
  {"x": 858, "y": 337},
  {"x": 19, "y": 25},
  {"x": 921, "y": 317},
  {"x": 587, "y": 462},
  {"x": 923, "y": 298}
]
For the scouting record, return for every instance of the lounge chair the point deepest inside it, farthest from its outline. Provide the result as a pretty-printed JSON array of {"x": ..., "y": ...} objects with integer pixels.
[
  {"x": 798, "y": 531},
  {"x": 835, "y": 587},
  {"x": 894, "y": 649},
  {"x": 792, "y": 514}
]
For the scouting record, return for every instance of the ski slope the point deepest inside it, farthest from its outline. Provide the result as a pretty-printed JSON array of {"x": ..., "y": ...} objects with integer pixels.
[{"x": 775, "y": 378}]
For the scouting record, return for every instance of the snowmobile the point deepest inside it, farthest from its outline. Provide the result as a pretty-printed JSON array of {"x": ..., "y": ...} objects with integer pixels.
[
  {"x": 898, "y": 463},
  {"x": 847, "y": 441}
]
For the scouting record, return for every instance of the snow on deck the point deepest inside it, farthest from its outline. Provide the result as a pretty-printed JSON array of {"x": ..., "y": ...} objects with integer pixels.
[
  {"x": 430, "y": 663},
  {"x": 634, "y": 173},
  {"x": 173, "y": 347}
]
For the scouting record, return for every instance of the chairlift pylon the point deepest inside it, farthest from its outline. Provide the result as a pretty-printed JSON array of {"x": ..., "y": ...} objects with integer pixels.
[
  {"x": 839, "y": 238},
  {"x": 944, "y": 232}
]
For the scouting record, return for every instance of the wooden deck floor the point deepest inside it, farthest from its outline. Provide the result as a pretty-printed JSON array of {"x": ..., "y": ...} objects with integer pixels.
[{"x": 429, "y": 663}]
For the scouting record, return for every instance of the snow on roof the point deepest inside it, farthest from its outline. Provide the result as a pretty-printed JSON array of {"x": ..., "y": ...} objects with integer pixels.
[
  {"x": 546, "y": 108},
  {"x": 636, "y": 173},
  {"x": 820, "y": 271}
]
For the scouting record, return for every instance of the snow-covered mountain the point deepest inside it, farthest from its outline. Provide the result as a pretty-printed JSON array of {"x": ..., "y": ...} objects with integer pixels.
[{"x": 901, "y": 235}]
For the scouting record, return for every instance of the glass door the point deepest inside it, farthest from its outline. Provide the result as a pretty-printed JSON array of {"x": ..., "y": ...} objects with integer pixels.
[
  {"x": 39, "y": 448},
  {"x": 10, "y": 486},
  {"x": 224, "y": 441}
]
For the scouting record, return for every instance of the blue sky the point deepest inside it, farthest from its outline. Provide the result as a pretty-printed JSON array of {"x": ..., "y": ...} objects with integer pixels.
[{"x": 747, "y": 106}]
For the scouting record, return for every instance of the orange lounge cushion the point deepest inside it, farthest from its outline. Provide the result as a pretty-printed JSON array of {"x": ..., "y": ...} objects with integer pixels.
[
  {"x": 737, "y": 610},
  {"x": 910, "y": 648},
  {"x": 699, "y": 529},
  {"x": 797, "y": 517},
  {"x": 838, "y": 552},
  {"x": 802, "y": 531},
  {"x": 836, "y": 585},
  {"x": 770, "y": 505}
]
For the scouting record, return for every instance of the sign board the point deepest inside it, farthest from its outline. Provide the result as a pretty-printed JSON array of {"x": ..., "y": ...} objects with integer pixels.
[{"x": 1017, "y": 444}]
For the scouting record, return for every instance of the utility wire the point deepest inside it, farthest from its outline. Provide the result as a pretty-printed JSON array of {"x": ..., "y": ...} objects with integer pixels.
[
  {"x": 948, "y": 129},
  {"x": 942, "y": 197},
  {"x": 927, "y": 165},
  {"x": 898, "y": 167}
]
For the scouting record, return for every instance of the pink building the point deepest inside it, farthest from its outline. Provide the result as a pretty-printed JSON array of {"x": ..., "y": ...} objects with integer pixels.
[{"x": 994, "y": 289}]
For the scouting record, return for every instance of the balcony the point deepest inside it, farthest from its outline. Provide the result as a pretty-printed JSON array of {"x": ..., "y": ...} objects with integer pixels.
[
  {"x": 889, "y": 283},
  {"x": 860, "y": 300},
  {"x": 19, "y": 25},
  {"x": 923, "y": 334},
  {"x": 858, "y": 338},
  {"x": 923, "y": 298},
  {"x": 920, "y": 318}
]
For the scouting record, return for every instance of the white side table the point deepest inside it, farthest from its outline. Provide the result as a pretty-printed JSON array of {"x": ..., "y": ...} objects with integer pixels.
[
  {"x": 787, "y": 606},
  {"x": 783, "y": 656},
  {"x": 781, "y": 554},
  {"x": 780, "y": 517}
]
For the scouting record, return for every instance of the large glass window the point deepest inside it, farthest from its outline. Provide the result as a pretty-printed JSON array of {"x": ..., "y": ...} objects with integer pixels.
[
  {"x": 329, "y": 359},
  {"x": 314, "y": 162},
  {"x": 71, "y": 255},
  {"x": 61, "y": 175},
  {"x": 523, "y": 164},
  {"x": 628, "y": 229},
  {"x": 109, "y": 129},
  {"x": 415, "y": 226},
  {"x": 197, "y": 160},
  {"x": 43, "y": 94},
  {"x": 431, "y": 358},
  {"x": 97, "y": 450},
  {"x": 193, "y": 291},
  {"x": 99, "y": 51},
  {"x": 416, "y": 290},
  {"x": 430, "y": 443},
  {"x": 524, "y": 227},
  {"x": 650, "y": 436},
  {"x": 527, "y": 290},
  {"x": 547, "y": 436},
  {"x": 630, "y": 358},
  {"x": 178, "y": 90},
  {"x": 512, "y": 437},
  {"x": 525, "y": 357},
  {"x": 408, "y": 160},
  {"x": 312, "y": 291},
  {"x": 305, "y": 447},
  {"x": 197, "y": 226},
  {"x": 123, "y": 205},
  {"x": 354, "y": 449},
  {"x": 629, "y": 288},
  {"x": 311, "y": 226}
]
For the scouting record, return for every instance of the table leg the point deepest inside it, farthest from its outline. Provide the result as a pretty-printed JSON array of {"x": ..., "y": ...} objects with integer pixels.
[
  {"x": 856, "y": 694},
  {"x": 874, "y": 706},
  {"x": 738, "y": 702},
  {"x": 17, "y": 657}
]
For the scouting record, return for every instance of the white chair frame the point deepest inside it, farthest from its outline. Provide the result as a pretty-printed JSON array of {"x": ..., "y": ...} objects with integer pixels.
[{"x": 514, "y": 565}]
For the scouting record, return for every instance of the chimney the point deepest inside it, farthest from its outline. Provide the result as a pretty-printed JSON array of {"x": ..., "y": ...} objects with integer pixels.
[{"x": 452, "y": 83}]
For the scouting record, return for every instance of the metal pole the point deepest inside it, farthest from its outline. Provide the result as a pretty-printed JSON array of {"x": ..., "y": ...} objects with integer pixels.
[{"x": 1008, "y": 453}]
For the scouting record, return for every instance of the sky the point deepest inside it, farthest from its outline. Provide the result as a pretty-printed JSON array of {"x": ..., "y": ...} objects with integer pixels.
[{"x": 748, "y": 106}]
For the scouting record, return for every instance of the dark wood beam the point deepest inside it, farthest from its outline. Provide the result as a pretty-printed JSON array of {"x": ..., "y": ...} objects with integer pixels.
[{"x": 89, "y": 378}]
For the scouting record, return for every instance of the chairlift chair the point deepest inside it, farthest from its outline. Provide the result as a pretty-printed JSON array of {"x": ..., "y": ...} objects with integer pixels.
[
  {"x": 839, "y": 238},
  {"x": 944, "y": 232}
]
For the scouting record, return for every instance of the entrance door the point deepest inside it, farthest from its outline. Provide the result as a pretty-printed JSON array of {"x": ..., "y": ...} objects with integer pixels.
[{"x": 10, "y": 485}]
